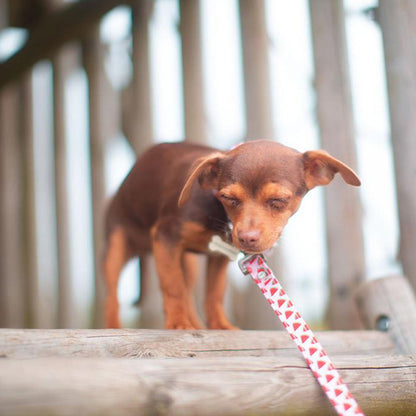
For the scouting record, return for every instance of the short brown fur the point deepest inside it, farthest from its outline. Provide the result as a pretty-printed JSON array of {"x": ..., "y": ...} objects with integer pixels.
[{"x": 178, "y": 195}]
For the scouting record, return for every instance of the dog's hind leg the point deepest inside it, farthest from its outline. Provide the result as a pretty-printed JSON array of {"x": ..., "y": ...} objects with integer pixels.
[{"x": 115, "y": 257}]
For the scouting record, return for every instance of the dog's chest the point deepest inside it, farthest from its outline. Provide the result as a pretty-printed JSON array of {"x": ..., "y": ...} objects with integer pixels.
[{"x": 196, "y": 237}]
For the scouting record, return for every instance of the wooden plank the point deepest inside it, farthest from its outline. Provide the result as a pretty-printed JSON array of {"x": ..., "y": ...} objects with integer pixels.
[
  {"x": 60, "y": 72},
  {"x": 92, "y": 51},
  {"x": 259, "y": 122},
  {"x": 397, "y": 20},
  {"x": 31, "y": 294},
  {"x": 137, "y": 122},
  {"x": 138, "y": 112},
  {"x": 195, "y": 112},
  {"x": 26, "y": 14},
  {"x": 389, "y": 304},
  {"x": 220, "y": 386},
  {"x": 4, "y": 15},
  {"x": 346, "y": 265},
  {"x": 193, "y": 85},
  {"x": 12, "y": 299},
  {"x": 129, "y": 343},
  {"x": 47, "y": 37},
  {"x": 255, "y": 48}
]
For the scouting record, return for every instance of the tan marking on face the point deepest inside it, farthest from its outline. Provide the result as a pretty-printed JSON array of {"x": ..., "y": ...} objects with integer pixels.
[
  {"x": 234, "y": 190},
  {"x": 273, "y": 190},
  {"x": 267, "y": 212}
]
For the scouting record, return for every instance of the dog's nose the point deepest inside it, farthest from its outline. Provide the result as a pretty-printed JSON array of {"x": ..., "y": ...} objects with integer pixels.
[{"x": 249, "y": 238}]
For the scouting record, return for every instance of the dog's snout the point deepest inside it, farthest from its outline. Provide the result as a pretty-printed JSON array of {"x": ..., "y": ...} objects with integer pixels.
[{"x": 249, "y": 238}]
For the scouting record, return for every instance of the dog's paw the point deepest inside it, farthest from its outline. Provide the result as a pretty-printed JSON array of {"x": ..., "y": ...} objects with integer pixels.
[
  {"x": 179, "y": 325},
  {"x": 223, "y": 324}
]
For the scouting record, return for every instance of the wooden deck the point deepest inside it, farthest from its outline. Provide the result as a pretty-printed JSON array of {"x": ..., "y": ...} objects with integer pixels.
[{"x": 157, "y": 372}]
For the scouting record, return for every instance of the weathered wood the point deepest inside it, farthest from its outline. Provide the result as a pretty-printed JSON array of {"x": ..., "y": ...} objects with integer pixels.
[
  {"x": 30, "y": 293},
  {"x": 195, "y": 112},
  {"x": 12, "y": 305},
  {"x": 398, "y": 20},
  {"x": 76, "y": 18},
  {"x": 389, "y": 304},
  {"x": 4, "y": 15},
  {"x": 26, "y": 14},
  {"x": 259, "y": 124},
  {"x": 255, "y": 48},
  {"x": 346, "y": 266},
  {"x": 137, "y": 124},
  {"x": 92, "y": 51},
  {"x": 60, "y": 73},
  {"x": 129, "y": 343},
  {"x": 220, "y": 386},
  {"x": 140, "y": 109}
]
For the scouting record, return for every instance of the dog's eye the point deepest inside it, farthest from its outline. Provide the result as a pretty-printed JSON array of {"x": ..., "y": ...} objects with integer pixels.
[
  {"x": 277, "y": 203},
  {"x": 229, "y": 200}
]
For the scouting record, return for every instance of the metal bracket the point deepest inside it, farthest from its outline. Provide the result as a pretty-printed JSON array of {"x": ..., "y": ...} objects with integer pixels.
[{"x": 242, "y": 262}]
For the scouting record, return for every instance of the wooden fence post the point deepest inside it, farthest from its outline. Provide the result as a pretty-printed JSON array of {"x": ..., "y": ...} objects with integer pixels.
[
  {"x": 194, "y": 106},
  {"x": 195, "y": 113},
  {"x": 389, "y": 305},
  {"x": 93, "y": 62},
  {"x": 139, "y": 113},
  {"x": 11, "y": 211},
  {"x": 398, "y": 20},
  {"x": 259, "y": 122},
  {"x": 346, "y": 265},
  {"x": 60, "y": 73},
  {"x": 255, "y": 45},
  {"x": 32, "y": 297},
  {"x": 138, "y": 119}
]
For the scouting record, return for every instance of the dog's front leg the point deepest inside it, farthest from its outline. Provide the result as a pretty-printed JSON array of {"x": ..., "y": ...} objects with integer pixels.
[
  {"x": 216, "y": 283},
  {"x": 190, "y": 271},
  {"x": 168, "y": 259}
]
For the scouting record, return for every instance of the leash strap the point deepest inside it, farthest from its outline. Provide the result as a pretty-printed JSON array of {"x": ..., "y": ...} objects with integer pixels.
[{"x": 313, "y": 352}]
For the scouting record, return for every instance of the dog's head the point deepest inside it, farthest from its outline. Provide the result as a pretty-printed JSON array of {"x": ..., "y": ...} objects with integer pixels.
[{"x": 261, "y": 184}]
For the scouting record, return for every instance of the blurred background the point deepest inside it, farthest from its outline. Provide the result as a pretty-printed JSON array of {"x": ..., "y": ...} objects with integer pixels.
[{"x": 87, "y": 85}]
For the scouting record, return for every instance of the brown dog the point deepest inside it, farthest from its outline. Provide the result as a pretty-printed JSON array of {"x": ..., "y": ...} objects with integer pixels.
[{"x": 177, "y": 196}]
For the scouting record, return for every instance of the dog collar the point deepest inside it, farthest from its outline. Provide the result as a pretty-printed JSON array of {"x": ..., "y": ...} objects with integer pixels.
[{"x": 217, "y": 244}]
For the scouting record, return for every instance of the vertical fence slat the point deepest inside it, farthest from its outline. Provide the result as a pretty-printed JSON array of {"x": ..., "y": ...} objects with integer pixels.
[
  {"x": 346, "y": 268},
  {"x": 94, "y": 66},
  {"x": 141, "y": 110},
  {"x": 12, "y": 215},
  {"x": 31, "y": 293},
  {"x": 60, "y": 65},
  {"x": 193, "y": 83},
  {"x": 255, "y": 44},
  {"x": 258, "y": 111},
  {"x": 142, "y": 136},
  {"x": 194, "y": 103},
  {"x": 398, "y": 20}
]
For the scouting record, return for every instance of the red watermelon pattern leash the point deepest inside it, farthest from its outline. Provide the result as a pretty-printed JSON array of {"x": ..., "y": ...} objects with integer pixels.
[{"x": 313, "y": 352}]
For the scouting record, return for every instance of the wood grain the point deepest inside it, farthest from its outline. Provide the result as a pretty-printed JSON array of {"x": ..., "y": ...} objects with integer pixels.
[
  {"x": 129, "y": 343},
  {"x": 390, "y": 303},
  {"x": 77, "y": 18},
  {"x": 346, "y": 265},
  {"x": 397, "y": 20},
  {"x": 218, "y": 386}
]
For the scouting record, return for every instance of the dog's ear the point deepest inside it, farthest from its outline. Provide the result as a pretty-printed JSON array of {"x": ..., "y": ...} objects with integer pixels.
[
  {"x": 206, "y": 170},
  {"x": 321, "y": 167}
]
